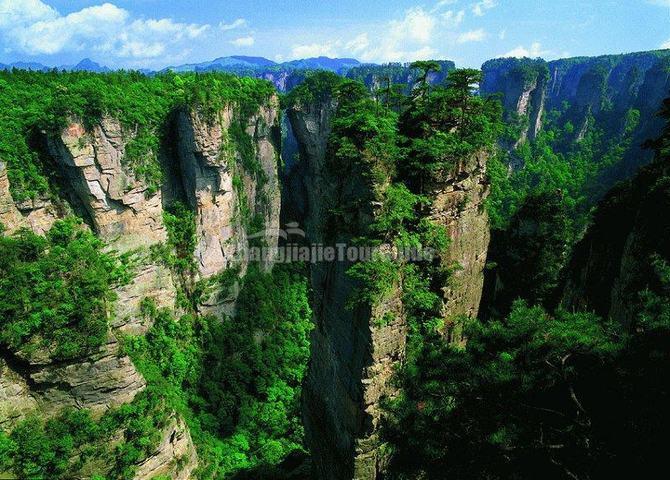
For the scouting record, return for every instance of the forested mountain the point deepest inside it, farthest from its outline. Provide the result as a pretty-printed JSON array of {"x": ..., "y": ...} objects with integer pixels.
[{"x": 494, "y": 303}]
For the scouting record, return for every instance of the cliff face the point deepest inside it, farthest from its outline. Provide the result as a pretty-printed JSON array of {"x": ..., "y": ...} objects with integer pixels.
[
  {"x": 355, "y": 351},
  {"x": 210, "y": 167},
  {"x": 458, "y": 205},
  {"x": 613, "y": 262},
  {"x": 588, "y": 92},
  {"x": 98, "y": 183}
]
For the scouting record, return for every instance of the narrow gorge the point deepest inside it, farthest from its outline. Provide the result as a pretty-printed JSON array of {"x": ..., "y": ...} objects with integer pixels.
[{"x": 144, "y": 338}]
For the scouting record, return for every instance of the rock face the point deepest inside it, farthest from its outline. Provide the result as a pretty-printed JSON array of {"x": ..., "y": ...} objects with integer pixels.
[
  {"x": 9, "y": 214},
  {"x": 523, "y": 84},
  {"x": 16, "y": 399},
  {"x": 208, "y": 171},
  {"x": 602, "y": 88},
  {"x": 354, "y": 351},
  {"x": 174, "y": 458},
  {"x": 219, "y": 189},
  {"x": 121, "y": 209},
  {"x": 37, "y": 214},
  {"x": 613, "y": 262},
  {"x": 458, "y": 204}
]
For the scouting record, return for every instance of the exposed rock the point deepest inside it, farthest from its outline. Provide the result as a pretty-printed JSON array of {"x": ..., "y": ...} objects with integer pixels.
[
  {"x": 9, "y": 214},
  {"x": 211, "y": 164},
  {"x": 37, "y": 214},
  {"x": 354, "y": 352},
  {"x": 603, "y": 88},
  {"x": 175, "y": 457},
  {"x": 16, "y": 399},
  {"x": 103, "y": 379},
  {"x": 120, "y": 206},
  {"x": 458, "y": 205}
]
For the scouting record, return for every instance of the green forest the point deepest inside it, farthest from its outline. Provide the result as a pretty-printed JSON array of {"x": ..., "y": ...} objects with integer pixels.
[{"x": 535, "y": 389}]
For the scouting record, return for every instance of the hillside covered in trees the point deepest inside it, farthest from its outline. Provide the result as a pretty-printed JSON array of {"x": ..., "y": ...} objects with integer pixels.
[{"x": 140, "y": 339}]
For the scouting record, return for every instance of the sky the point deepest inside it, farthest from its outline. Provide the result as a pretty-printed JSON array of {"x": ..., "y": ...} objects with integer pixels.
[{"x": 159, "y": 33}]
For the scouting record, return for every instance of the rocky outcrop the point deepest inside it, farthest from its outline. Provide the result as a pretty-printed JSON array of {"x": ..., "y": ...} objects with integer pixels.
[
  {"x": 458, "y": 205},
  {"x": 355, "y": 350},
  {"x": 16, "y": 398},
  {"x": 588, "y": 92},
  {"x": 220, "y": 186},
  {"x": 175, "y": 456},
  {"x": 121, "y": 207},
  {"x": 102, "y": 380},
  {"x": 522, "y": 84},
  {"x": 9, "y": 214},
  {"x": 37, "y": 214}
]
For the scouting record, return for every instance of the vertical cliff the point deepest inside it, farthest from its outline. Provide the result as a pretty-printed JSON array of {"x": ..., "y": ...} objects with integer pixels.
[
  {"x": 613, "y": 263},
  {"x": 589, "y": 93},
  {"x": 457, "y": 203},
  {"x": 356, "y": 349},
  {"x": 225, "y": 170}
]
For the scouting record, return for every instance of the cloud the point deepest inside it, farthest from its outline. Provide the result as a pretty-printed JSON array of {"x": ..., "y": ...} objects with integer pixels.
[
  {"x": 243, "y": 41},
  {"x": 417, "y": 25},
  {"x": 660, "y": 3},
  {"x": 408, "y": 38},
  {"x": 35, "y": 28},
  {"x": 452, "y": 19},
  {"x": 472, "y": 36},
  {"x": 534, "y": 51},
  {"x": 502, "y": 34},
  {"x": 238, "y": 23},
  {"x": 666, "y": 44},
  {"x": 358, "y": 44},
  {"x": 315, "y": 50},
  {"x": 480, "y": 8}
]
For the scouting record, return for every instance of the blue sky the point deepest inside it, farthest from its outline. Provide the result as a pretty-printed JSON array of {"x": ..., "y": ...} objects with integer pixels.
[{"x": 157, "y": 33}]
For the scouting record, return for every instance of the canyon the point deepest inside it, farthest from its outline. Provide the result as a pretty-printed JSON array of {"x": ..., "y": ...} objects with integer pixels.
[{"x": 228, "y": 167}]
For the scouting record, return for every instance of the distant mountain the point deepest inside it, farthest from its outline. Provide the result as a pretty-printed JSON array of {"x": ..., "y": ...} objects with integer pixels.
[
  {"x": 232, "y": 63},
  {"x": 259, "y": 65},
  {"x": 37, "y": 67},
  {"x": 338, "y": 65},
  {"x": 88, "y": 65}
]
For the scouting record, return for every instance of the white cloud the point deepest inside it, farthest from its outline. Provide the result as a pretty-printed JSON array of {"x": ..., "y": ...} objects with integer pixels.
[
  {"x": 238, "y": 23},
  {"x": 12, "y": 12},
  {"x": 452, "y": 19},
  {"x": 243, "y": 41},
  {"x": 480, "y": 8},
  {"x": 35, "y": 28},
  {"x": 660, "y": 3},
  {"x": 315, "y": 50},
  {"x": 472, "y": 36},
  {"x": 358, "y": 44},
  {"x": 417, "y": 25},
  {"x": 666, "y": 44},
  {"x": 534, "y": 51}
]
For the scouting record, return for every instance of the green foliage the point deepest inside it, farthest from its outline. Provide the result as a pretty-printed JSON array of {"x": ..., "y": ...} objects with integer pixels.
[
  {"x": 444, "y": 125},
  {"x": 236, "y": 382},
  {"x": 142, "y": 104},
  {"x": 501, "y": 404},
  {"x": 56, "y": 291},
  {"x": 530, "y": 253}
]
